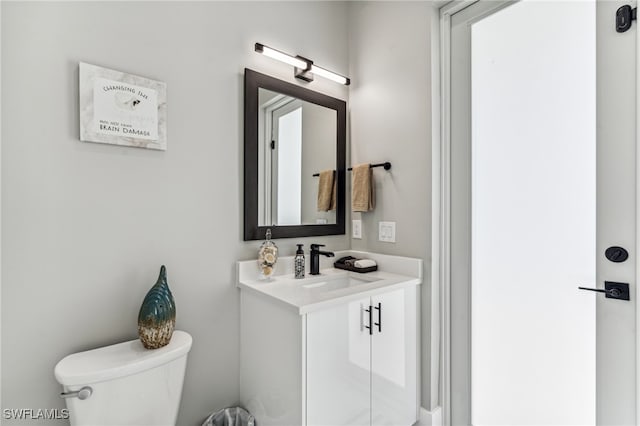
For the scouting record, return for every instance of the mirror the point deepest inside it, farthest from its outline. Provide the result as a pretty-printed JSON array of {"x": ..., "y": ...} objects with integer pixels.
[{"x": 292, "y": 134}]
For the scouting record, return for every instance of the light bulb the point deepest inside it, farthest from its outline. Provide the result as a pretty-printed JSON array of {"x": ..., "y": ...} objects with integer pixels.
[
  {"x": 280, "y": 56},
  {"x": 330, "y": 75}
]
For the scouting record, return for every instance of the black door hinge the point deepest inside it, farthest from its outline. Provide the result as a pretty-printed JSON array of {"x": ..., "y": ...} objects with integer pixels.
[
  {"x": 624, "y": 17},
  {"x": 273, "y": 144}
]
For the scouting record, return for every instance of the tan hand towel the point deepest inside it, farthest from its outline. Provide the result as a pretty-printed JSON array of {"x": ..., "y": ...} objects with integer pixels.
[
  {"x": 363, "y": 189},
  {"x": 334, "y": 192},
  {"x": 326, "y": 191}
]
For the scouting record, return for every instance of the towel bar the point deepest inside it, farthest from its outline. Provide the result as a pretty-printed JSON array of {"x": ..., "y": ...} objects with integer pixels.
[{"x": 386, "y": 165}]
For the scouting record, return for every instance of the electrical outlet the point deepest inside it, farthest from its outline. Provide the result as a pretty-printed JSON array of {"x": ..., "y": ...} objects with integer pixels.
[
  {"x": 387, "y": 232},
  {"x": 356, "y": 228}
]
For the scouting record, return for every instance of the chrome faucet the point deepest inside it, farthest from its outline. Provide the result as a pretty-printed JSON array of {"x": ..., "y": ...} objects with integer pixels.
[{"x": 315, "y": 258}]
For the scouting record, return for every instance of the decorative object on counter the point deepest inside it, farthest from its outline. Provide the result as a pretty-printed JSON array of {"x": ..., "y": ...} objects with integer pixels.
[
  {"x": 363, "y": 191},
  {"x": 350, "y": 263},
  {"x": 157, "y": 317},
  {"x": 122, "y": 109},
  {"x": 327, "y": 191},
  {"x": 298, "y": 262},
  {"x": 267, "y": 256}
]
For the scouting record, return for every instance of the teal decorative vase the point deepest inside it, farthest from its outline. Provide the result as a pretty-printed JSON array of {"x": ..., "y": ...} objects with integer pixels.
[{"x": 157, "y": 317}]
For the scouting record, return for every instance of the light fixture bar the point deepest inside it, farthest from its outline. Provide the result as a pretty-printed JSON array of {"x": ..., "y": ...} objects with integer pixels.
[
  {"x": 330, "y": 75},
  {"x": 280, "y": 56},
  {"x": 304, "y": 68}
]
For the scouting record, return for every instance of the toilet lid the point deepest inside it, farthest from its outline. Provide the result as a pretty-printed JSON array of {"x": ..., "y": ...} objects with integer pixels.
[{"x": 118, "y": 360}]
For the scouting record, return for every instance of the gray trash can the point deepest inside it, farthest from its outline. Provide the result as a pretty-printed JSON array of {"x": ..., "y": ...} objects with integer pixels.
[{"x": 231, "y": 416}]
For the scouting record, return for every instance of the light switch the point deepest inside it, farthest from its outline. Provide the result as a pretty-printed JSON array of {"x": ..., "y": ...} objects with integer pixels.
[
  {"x": 356, "y": 228},
  {"x": 387, "y": 232}
]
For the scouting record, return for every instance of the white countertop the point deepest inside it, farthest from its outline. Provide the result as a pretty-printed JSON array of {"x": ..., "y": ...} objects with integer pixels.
[{"x": 309, "y": 294}]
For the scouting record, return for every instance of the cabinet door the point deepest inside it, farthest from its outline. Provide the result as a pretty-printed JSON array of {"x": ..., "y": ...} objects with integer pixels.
[
  {"x": 338, "y": 366},
  {"x": 394, "y": 368}
]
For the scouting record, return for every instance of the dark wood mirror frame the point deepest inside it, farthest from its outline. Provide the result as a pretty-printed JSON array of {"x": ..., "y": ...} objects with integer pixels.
[{"x": 252, "y": 231}]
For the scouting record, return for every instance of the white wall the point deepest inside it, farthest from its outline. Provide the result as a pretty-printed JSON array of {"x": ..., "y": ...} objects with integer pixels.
[
  {"x": 390, "y": 120},
  {"x": 87, "y": 226}
]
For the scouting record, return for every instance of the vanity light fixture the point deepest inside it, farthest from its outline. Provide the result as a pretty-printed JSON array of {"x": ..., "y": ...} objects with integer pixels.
[{"x": 304, "y": 68}]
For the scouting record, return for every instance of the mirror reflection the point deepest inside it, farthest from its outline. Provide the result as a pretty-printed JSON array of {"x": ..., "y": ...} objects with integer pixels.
[{"x": 297, "y": 141}]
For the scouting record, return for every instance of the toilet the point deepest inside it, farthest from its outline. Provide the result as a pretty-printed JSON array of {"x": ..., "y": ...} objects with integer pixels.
[{"x": 125, "y": 384}]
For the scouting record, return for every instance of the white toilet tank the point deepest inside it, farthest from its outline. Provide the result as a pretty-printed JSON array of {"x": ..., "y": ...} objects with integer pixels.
[{"x": 130, "y": 385}]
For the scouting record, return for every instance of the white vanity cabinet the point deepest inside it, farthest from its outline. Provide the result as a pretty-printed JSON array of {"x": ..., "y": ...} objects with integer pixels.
[
  {"x": 362, "y": 362},
  {"x": 350, "y": 362}
]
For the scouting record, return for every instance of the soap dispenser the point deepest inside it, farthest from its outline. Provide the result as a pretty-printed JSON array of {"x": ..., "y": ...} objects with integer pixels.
[{"x": 299, "y": 262}]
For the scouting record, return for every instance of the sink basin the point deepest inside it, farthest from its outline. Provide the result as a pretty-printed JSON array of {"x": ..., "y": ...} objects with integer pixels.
[
  {"x": 333, "y": 286},
  {"x": 336, "y": 283}
]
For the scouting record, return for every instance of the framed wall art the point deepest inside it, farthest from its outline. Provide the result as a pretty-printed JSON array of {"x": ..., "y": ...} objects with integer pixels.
[{"x": 122, "y": 109}]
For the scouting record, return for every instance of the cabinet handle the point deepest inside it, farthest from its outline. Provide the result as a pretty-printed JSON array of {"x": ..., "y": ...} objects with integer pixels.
[
  {"x": 379, "y": 323},
  {"x": 368, "y": 310}
]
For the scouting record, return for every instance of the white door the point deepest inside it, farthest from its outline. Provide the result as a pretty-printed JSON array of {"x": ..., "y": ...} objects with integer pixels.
[
  {"x": 541, "y": 176},
  {"x": 286, "y": 163}
]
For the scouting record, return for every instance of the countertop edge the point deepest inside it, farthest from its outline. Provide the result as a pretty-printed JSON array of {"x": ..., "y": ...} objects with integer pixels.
[
  {"x": 339, "y": 300},
  {"x": 312, "y": 307}
]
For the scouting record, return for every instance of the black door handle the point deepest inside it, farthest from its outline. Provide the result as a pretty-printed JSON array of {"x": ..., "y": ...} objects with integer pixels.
[
  {"x": 612, "y": 290},
  {"x": 379, "y": 323},
  {"x": 370, "y": 326}
]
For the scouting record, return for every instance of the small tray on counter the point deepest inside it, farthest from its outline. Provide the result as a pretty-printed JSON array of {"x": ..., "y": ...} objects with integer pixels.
[{"x": 339, "y": 264}]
